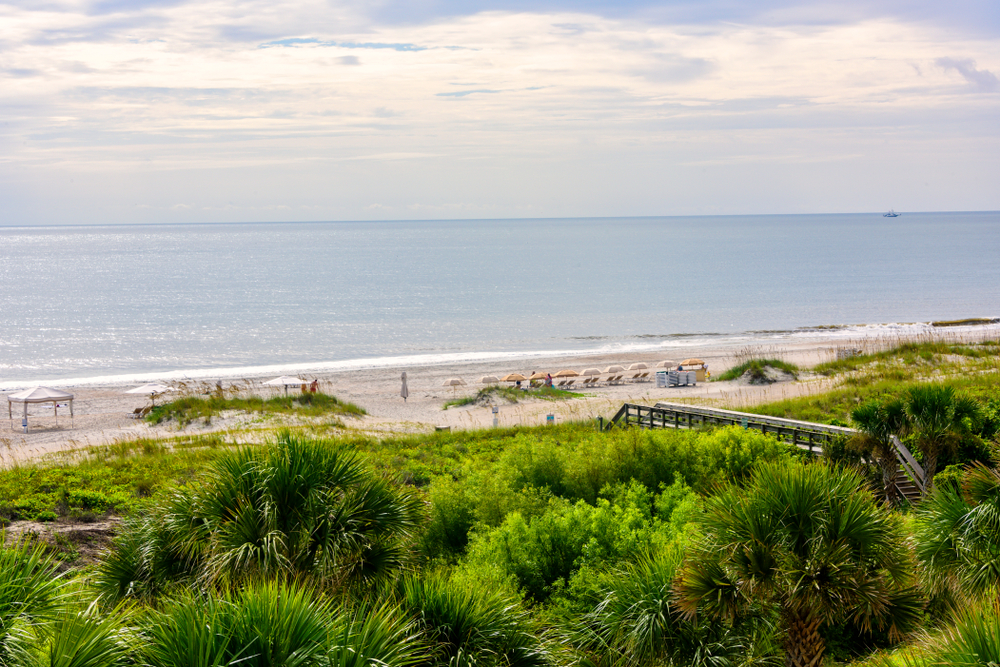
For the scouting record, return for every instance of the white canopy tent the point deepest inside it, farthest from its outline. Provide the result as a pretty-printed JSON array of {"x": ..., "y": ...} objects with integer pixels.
[
  {"x": 38, "y": 395},
  {"x": 286, "y": 381}
]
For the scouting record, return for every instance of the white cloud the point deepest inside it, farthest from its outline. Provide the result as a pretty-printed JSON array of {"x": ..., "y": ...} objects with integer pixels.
[{"x": 558, "y": 113}]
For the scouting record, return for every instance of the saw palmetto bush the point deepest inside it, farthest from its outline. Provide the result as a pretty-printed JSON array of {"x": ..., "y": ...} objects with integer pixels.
[
  {"x": 638, "y": 623},
  {"x": 958, "y": 535},
  {"x": 809, "y": 540},
  {"x": 294, "y": 508},
  {"x": 31, "y": 600},
  {"x": 277, "y": 624},
  {"x": 469, "y": 627}
]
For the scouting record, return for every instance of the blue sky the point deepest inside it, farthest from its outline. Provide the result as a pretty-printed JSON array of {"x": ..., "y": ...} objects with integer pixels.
[{"x": 145, "y": 112}]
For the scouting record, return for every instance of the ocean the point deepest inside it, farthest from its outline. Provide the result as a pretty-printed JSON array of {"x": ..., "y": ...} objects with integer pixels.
[{"x": 98, "y": 304}]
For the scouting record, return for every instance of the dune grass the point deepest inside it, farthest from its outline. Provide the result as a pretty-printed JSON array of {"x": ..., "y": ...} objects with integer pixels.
[
  {"x": 756, "y": 368},
  {"x": 190, "y": 408},
  {"x": 114, "y": 478},
  {"x": 512, "y": 395}
]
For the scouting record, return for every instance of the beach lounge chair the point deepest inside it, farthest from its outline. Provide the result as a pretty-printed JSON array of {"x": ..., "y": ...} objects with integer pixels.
[
  {"x": 135, "y": 414},
  {"x": 569, "y": 383}
]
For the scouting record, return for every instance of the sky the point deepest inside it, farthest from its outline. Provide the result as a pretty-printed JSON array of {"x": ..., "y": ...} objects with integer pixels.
[{"x": 168, "y": 111}]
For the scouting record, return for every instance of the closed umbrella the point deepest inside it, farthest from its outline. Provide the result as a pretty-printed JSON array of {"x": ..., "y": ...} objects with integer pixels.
[{"x": 405, "y": 391}]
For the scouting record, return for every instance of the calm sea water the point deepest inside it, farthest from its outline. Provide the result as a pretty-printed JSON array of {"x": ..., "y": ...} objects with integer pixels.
[{"x": 204, "y": 300}]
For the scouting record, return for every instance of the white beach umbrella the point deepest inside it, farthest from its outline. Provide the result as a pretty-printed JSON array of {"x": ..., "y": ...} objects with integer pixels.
[
  {"x": 590, "y": 372},
  {"x": 614, "y": 369},
  {"x": 489, "y": 379},
  {"x": 638, "y": 366},
  {"x": 152, "y": 389},
  {"x": 286, "y": 381},
  {"x": 404, "y": 391},
  {"x": 454, "y": 383},
  {"x": 666, "y": 364}
]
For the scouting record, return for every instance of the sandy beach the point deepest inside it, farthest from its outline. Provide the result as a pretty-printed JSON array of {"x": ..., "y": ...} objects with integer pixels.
[{"x": 101, "y": 413}]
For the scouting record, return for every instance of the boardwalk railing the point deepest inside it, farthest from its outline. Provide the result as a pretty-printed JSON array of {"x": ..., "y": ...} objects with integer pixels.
[{"x": 805, "y": 435}]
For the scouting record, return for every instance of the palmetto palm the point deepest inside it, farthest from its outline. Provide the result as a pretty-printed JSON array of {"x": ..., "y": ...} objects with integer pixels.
[
  {"x": 297, "y": 507},
  {"x": 878, "y": 422},
  {"x": 638, "y": 624},
  {"x": 810, "y": 540},
  {"x": 30, "y": 599},
  {"x": 958, "y": 534},
  {"x": 940, "y": 417}
]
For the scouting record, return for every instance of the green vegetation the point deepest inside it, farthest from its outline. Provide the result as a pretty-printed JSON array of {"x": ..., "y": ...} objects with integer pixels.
[
  {"x": 192, "y": 408},
  {"x": 757, "y": 370},
  {"x": 115, "y": 478},
  {"x": 491, "y": 395},
  {"x": 557, "y": 546},
  {"x": 811, "y": 541}
]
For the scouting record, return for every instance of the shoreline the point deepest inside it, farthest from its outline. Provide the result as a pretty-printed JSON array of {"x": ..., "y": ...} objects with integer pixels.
[
  {"x": 102, "y": 411},
  {"x": 668, "y": 346}
]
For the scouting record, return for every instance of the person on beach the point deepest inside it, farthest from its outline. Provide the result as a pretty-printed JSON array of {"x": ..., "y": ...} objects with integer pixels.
[
  {"x": 314, "y": 386},
  {"x": 548, "y": 380},
  {"x": 405, "y": 391}
]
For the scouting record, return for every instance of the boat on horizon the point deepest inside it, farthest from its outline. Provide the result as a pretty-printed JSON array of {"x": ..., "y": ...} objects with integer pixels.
[{"x": 890, "y": 214}]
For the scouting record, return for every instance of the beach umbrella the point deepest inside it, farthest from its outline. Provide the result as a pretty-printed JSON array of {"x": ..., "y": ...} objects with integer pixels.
[
  {"x": 692, "y": 362},
  {"x": 590, "y": 372},
  {"x": 489, "y": 379},
  {"x": 666, "y": 364},
  {"x": 614, "y": 369},
  {"x": 286, "y": 381},
  {"x": 538, "y": 376},
  {"x": 566, "y": 374},
  {"x": 513, "y": 377},
  {"x": 638, "y": 366},
  {"x": 151, "y": 389},
  {"x": 454, "y": 383},
  {"x": 405, "y": 391}
]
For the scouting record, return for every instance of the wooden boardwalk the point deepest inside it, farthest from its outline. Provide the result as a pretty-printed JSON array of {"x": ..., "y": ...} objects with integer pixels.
[{"x": 805, "y": 435}]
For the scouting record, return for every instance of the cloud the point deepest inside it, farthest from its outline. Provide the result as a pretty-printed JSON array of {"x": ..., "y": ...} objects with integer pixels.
[
  {"x": 312, "y": 41},
  {"x": 984, "y": 80},
  {"x": 204, "y": 101},
  {"x": 464, "y": 93}
]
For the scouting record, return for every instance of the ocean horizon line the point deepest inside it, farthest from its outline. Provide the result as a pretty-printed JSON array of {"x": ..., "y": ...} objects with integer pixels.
[{"x": 90, "y": 225}]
